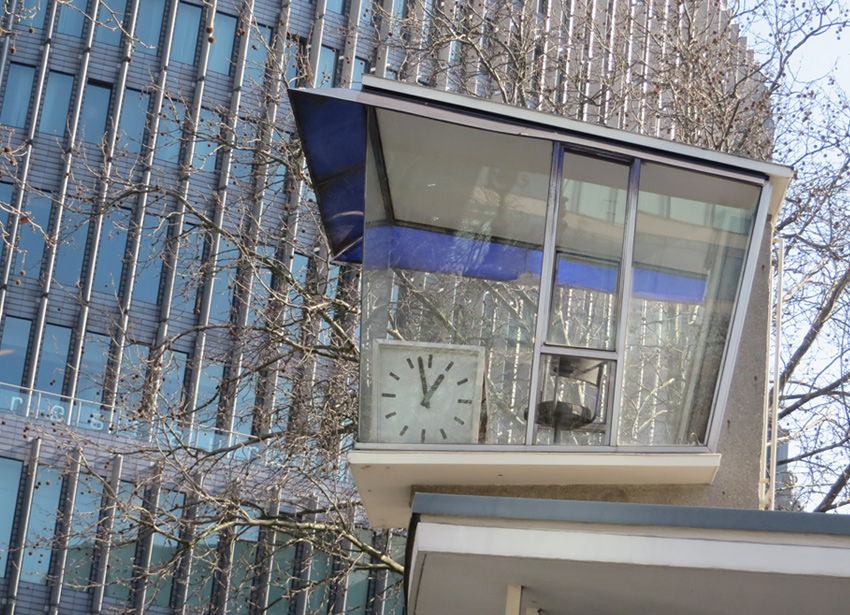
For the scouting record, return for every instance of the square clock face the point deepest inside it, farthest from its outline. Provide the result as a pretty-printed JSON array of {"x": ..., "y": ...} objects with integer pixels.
[{"x": 427, "y": 393}]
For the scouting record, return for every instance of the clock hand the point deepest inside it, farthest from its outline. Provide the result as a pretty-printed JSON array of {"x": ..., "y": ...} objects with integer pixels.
[
  {"x": 422, "y": 378},
  {"x": 427, "y": 401}
]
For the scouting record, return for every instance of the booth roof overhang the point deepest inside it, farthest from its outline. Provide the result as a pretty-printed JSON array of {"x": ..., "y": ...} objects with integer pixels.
[
  {"x": 598, "y": 558},
  {"x": 332, "y": 124}
]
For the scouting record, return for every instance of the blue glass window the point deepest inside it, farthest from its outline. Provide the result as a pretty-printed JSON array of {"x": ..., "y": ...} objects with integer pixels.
[
  {"x": 6, "y": 194},
  {"x": 72, "y": 17},
  {"x": 186, "y": 28},
  {"x": 10, "y": 480},
  {"x": 57, "y": 101},
  {"x": 208, "y": 394},
  {"x": 125, "y": 533},
  {"x": 90, "y": 380},
  {"x": 134, "y": 366},
  {"x": 206, "y": 137},
  {"x": 149, "y": 267},
  {"x": 54, "y": 359},
  {"x": 42, "y": 521},
  {"x": 283, "y": 569},
  {"x": 242, "y": 571},
  {"x": 336, "y": 6},
  {"x": 173, "y": 375},
  {"x": 13, "y": 350},
  {"x": 294, "y": 52},
  {"x": 360, "y": 67},
  {"x": 326, "y": 73},
  {"x": 35, "y": 10},
  {"x": 110, "y": 253},
  {"x": 255, "y": 58},
  {"x": 149, "y": 24},
  {"x": 134, "y": 115},
  {"x": 72, "y": 246},
  {"x": 161, "y": 576},
  {"x": 221, "y": 51},
  {"x": 81, "y": 545},
  {"x": 170, "y": 132},
  {"x": 225, "y": 276},
  {"x": 183, "y": 298},
  {"x": 33, "y": 228},
  {"x": 16, "y": 100},
  {"x": 95, "y": 112},
  {"x": 111, "y": 18}
]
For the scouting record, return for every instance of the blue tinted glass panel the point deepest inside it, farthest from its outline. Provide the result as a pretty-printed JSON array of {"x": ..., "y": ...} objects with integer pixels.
[
  {"x": 133, "y": 369},
  {"x": 170, "y": 132},
  {"x": 10, "y": 479},
  {"x": 366, "y": 12},
  {"x": 134, "y": 115},
  {"x": 72, "y": 17},
  {"x": 6, "y": 194},
  {"x": 255, "y": 58},
  {"x": 205, "y": 140},
  {"x": 57, "y": 99},
  {"x": 283, "y": 565},
  {"x": 293, "y": 57},
  {"x": 360, "y": 67},
  {"x": 183, "y": 299},
  {"x": 124, "y": 535},
  {"x": 45, "y": 503},
  {"x": 54, "y": 359},
  {"x": 221, "y": 51},
  {"x": 92, "y": 372},
  {"x": 81, "y": 545},
  {"x": 173, "y": 375},
  {"x": 110, "y": 253},
  {"x": 186, "y": 28},
  {"x": 35, "y": 12},
  {"x": 13, "y": 350},
  {"x": 161, "y": 576},
  {"x": 336, "y": 6},
  {"x": 72, "y": 246},
  {"x": 208, "y": 390},
  {"x": 16, "y": 100},
  {"x": 225, "y": 275},
  {"x": 242, "y": 573},
  {"x": 149, "y": 267},
  {"x": 200, "y": 579},
  {"x": 149, "y": 24},
  {"x": 95, "y": 112},
  {"x": 31, "y": 234},
  {"x": 111, "y": 20},
  {"x": 326, "y": 75}
]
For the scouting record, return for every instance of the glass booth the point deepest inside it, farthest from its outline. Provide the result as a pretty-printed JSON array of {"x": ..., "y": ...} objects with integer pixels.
[{"x": 527, "y": 287}]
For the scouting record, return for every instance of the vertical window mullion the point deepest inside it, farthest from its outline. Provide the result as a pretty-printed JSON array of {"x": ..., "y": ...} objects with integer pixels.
[
  {"x": 546, "y": 283},
  {"x": 625, "y": 284}
]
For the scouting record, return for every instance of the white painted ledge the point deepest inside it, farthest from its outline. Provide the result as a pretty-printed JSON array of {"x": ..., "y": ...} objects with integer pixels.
[{"x": 385, "y": 477}]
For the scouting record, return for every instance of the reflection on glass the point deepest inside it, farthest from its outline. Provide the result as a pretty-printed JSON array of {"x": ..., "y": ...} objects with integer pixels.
[
  {"x": 110, "y": 253},
  {"x": 589, "y": 247},
  {"x": 149, "y": 25},
  {"x": 72, "y": 246},
  {"x": 111, "y": 18},
  {"x": 186, "y": 28},
  {"x": 16, "y": 100},
  {"x": 459, "y": 262},
  {"x": 691, "y": 238},
  {"x": 161, "y": 576},
  {"x": 10, "y": 478},
  {"x": 42, "y": 521},
  {"x": 31, "y": 235},
  {"x": 221, "y": 50},
  {"x": 572, "y": 404},
  {"x": 13, "y": 349},
  {"x": 95, "y": 112},
  {"x": 125, "y": 533},
  {"x": 57, "y": 100},
  {"x": 54, "y": 359},
  {"x": 134, "y": 112},
  {"x": 72, "y": 17},
  {"x": 81, "y": 545}
]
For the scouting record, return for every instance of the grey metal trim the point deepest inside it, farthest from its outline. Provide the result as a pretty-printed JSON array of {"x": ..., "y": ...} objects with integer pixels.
[
  {"x": 16, "y": 552},
  {"x": 586, "y": 353},
  {"x": 620, "y": 513}
]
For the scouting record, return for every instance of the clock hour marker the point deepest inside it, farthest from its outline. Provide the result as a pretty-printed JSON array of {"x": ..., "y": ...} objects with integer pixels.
[
  {"x": 394, "y": 376},
  {"x": 443, "y": 433},
  {"x": 430, "y": 360},
  {"x": 423, "y": 436},
  {"x": 464, "y": 381},
  {"x": 390, "y": 415},
  {"x": 410, "y": 362},
  {"x": 450, "y": 365},
  {"x": 403, "y": 430},
  {"x": 387, "y": 394},
  {"x": 460, "y": 401},
  {"x": 459, "y": 420}
]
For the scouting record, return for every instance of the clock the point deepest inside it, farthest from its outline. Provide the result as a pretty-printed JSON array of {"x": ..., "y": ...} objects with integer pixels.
[{"x": 427, "y": 393}]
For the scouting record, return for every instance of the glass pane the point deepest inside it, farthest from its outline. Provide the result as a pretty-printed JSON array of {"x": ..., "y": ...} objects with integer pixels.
[
  {"x": 572, "y": 405},
  {"x": 225, "y": 276},
  {"x": 10, "y": 479},
  {"x": 110, "y": 254},
  {"x": 149, "y": 24},
  {"x": 54, "y": 359},
  {"x": 35, "y": 12},
  {"x": 185, "y": 41},
  {"x": 84, "y": 523},
  {"x": 360, "y": 67},
  {"x": 95, "y": 112},
  {"x": 111, "y": 20},
  {"x": 242, "y": 573},
  {"x": 32, "y": 231},
  {"x": 255, "y": 58},
  {"x": 456, "y": 269},
  {"x": 200, "y": 579},
  {"x": 57, "y": 99},
  {"x": 336, "y": 6},
  {"x": 206, "y": 140},
  {"x": 13, "y": 351},
  {"x": 134, "y": 115},
  {"x": 294, "y": 50},
  {"x": 134, "y": 367},
  {"x": 326, "y": 72},
  {"x": 172, "y": 377},
  {"x": 42, "y": 522},
  {"x": 206, "y": 405},
  {"x": 72, "y": 246},
  {"x": 16, "y": 99},
  {"x": 589, "y": 250},
  {"x": 685, "y": 281},
  {"x": 7, "y": 192},
  {"x": 221, "y": 51},
  {"x": 161, "y": 577},
  {"x": 170, "y": 132},
  {"x": 90, "y": 381},
  {"x": 283, "y": 564},
  {"x": 125, "y": 533},
  {"x": 149, "y": 266},
  {"x": 72, "y": 17},
  {"x": 186, "y": 280}
]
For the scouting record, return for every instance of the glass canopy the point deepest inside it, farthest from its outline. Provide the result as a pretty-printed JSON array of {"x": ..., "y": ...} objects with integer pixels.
[{"x": 523, "y": 290}]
